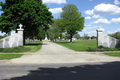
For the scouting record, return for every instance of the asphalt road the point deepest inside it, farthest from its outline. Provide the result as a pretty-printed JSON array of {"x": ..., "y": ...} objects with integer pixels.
[{"x": 69, "y": 71}]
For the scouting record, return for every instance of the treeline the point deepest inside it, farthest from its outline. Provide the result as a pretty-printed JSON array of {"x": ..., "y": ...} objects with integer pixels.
[{"x": 115, "y": 35}]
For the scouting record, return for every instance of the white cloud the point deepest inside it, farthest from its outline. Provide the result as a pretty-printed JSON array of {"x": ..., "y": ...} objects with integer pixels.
[
  {"x": 89, "y": 12},
  {"x": 96, "y": 16},
  {"x": 109, "y": 32},
  {"x": 105, "y": 21},
  {"x": 88, "y": 28},
  {"x": 55, "y": 10},
  {"x": 116, "y": 2},
  {"x": 101, "y": 21},
  {"x": 118, "y": 29},
  {"x": 88, "y": 17},
  {"x": 54, "y": 1},
  {"x": 112, "y": 32},
  {"x": 91, "y": 32},
  {"x": 88, "y": 25},
  {"x": 104, "y": 9},
  {"x": 115, "y": 20}
]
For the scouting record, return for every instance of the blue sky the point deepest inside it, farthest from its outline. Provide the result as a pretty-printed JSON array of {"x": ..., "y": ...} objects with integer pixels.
[{"x": 96, "y": 12}]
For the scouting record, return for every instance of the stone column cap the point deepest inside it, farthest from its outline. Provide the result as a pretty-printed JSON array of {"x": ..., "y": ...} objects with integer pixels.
[
  {"x": 20, "y": 29},
  {"x": 100, "y": 30}
]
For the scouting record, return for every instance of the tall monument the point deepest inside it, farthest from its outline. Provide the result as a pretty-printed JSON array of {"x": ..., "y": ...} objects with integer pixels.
[{"x": 46, "y": 39}]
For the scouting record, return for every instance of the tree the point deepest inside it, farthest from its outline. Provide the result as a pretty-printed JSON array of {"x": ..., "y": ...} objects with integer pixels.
[
  {"x": 67, "y": 36},
  {"x": 61, "y": 27},
  {"x": 86, "y": 36},
  {"x": 115, "y": 35},
  {"x": 73, "y": 22},
  {"x": 77, "y": 36},
  {"x": 56, "y": 29},
  {"x": 32, "y": 14},
  {"x": 93, "y": 37},
  {"x": 41, "y": 34}
]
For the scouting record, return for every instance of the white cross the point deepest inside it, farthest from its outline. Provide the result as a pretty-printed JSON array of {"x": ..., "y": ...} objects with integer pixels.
[
  {"x": 20, "y": 26},
  {"x": 99, "y": 26}
]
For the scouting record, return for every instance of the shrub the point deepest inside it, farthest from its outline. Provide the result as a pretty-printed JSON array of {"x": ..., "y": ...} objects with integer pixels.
[
  {"x": 110, "y": 49},
  {"x": 1, "y": 49},
  {"x": 91, "y": 49},
  {"x": 107, "y": 49},
  {"x": 118, "y": 48},
  {"x": 100, "y": 47}
]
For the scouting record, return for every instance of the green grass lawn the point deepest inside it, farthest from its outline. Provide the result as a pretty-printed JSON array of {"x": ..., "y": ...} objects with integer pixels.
[
  {"x": 9, "y": 56},
  {"x": 34, "y": 46},
  {"x": 78, "y": 45},
  {"x": 116, "y": 54},
  {"x": 28, "y": 47}
]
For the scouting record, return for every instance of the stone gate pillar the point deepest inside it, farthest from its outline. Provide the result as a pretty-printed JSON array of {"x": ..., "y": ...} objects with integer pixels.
[
  {"x": 20, "y": 33},
  {"x": 99, "y": 36}
]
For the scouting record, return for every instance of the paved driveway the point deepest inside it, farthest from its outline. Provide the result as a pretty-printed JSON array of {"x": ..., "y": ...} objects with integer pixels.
[{"x": 54, "y": 53}]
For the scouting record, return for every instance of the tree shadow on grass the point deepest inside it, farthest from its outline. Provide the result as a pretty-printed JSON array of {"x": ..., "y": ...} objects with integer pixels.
[
  {"x": 33, "y": 44},
  {"x": 91, "y": 71}
]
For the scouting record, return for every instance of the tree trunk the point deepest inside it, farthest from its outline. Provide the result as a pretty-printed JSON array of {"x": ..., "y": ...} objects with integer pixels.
[
  {"x": 71, "y": 38},
  {"x": 60, "y": 37},
  {"x": 33, "y": 36},
  {"x": 55, "y": 39}
]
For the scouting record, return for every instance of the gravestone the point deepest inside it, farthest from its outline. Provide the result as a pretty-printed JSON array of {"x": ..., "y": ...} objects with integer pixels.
[{"x": 89, "y": 39}]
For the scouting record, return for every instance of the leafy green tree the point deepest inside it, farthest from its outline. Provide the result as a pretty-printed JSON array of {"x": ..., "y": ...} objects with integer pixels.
[
  {"x": 77, "y": 36},
  {"x": 115, "y": 35},
  {"x": 86, "y": 36},
  {"x": 56, "y": 29},
  {"x": 73, "y": 22},
  {"x": 32, "y": 14},
  {"x": 93, "y": 37},
  {"x": 61, "y": 27},
  {"x": 67, "y": 36},
  {"x": 41, "y": 34}
]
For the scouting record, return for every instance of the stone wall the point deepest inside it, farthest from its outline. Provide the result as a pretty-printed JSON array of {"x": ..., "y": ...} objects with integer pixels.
[
  {"x": 13, "y": 40},
  {"x": 110, "y": 42},
  {"x": 106, "y": 41},
  {"x": 10, "y": 41}
]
